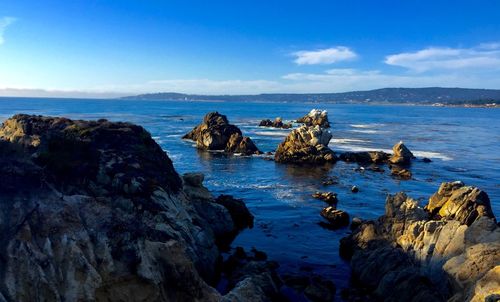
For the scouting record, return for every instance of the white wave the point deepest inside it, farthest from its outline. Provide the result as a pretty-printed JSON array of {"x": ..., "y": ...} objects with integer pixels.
[
  {"x": 367, "y": 131},
  {"x": 348, "y": 140},
  {"x": 155, "y": 137},
  {"x": 365, "y": 125},
  {"x": 357, "y": 148},
  {"x": 272, "y": 133},
  {"x": 174, "y": 135}
]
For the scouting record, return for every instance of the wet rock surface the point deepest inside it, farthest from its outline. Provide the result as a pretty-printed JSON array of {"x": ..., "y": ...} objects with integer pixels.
[
  {"x": 216, "y": 133},
  {"x": 306, "y": 145},
  {"x": 315, "y": 118},
  {"x": 94, "y": 210},
  {"x": 448, "y": 251},
  {"x": 336, "y": 218},
  {"x": 277, "y": 123}
]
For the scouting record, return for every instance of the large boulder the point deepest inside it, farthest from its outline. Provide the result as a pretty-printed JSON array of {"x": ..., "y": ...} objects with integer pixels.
[
  {"x": 401, "y": 154},
  {"x": 315, "y": 118},
  {"x": 416, "y": 254},
  {"x": 306, "y": 145},
  {"x": 215, "y": 133},
  {"x": 94, "y": 210}
]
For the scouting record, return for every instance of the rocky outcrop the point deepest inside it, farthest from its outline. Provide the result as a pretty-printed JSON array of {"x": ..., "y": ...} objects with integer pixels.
[
  {"x": 449, "y": 251},
  {"x": 306, "y": 145},
  {"x": 277, "y": 123},
  {"x": 336, "y": 218},
  {"x": 315, "y": 118},
  {"x": 328, "y": 197},
  {"x": 401, "y": 155},
  {"x": 365, "y": 157},
  {"x": 215, "y": 133},
  {"x": 94, "y": 210}
]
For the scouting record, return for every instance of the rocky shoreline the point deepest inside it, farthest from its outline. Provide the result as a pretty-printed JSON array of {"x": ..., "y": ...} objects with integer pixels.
[{"x": 103, "y": 215}]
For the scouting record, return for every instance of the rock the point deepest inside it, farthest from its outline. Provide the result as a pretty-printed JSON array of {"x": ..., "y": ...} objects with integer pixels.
[
  {"x": 320, "y": 290},
  {"x": 240, "y": 214},
  {"x": 365, "y": 157},
  {"x": 315, "y": 118},
  {"x": 414, "y": 254},
  {"x": 328, "y": 197},
  {"x": 336, "y": 218},
  {"x": 354, "y": 189},
  {"x": 456, "y": 201},
  {"x": 94, "y": 210},
  {"x": 401, "y": 155},
  {"x": 426, "y": 160},
  {"x": 277, "y": 123},
  {"x": 63, "y": 242},
  {"x": 355, "y": 223},
  {"x": 306, "y": 145},
  {"x": 330, "y": 181},
  {"x": 400, "y": 173},
  {"x": 215, "y": 133}
]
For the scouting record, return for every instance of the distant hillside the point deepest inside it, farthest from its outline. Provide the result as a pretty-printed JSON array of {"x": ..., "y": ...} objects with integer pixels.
[{"x": 431, "y": 95}]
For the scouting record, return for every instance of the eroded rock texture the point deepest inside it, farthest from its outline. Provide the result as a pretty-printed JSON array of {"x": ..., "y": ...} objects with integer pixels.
[
  {"x": 306, "y": 145},
  {"x": 94, "y": 211},
  {"x": 448, "y": 252},
  {"x": 215, "y": 133},
  {"x": 315, "y": 118}
]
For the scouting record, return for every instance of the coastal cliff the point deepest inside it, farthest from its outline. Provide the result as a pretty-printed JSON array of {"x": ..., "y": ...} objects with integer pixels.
[{"x": 95, "y": 211}]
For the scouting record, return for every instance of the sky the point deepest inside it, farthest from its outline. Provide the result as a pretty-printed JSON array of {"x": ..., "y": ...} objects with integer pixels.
[{"x": 110, "y": 48}]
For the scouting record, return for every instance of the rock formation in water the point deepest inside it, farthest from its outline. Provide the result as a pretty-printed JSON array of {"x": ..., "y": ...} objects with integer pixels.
[
  {"x": 306, "y": 144},
  {"x": 277, "y": 123},
  {"x": 315, "y": 118},
  {"x": 95, "y": 211},
  {"x": 215, "y": 133},
  {"x": 401, "y": 155},
  {"x": 449, "y": 251},
  {"x": 365, "y": 157}
]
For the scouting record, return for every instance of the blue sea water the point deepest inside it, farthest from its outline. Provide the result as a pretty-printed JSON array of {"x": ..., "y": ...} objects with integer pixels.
[{"x": 463, "y": 143}]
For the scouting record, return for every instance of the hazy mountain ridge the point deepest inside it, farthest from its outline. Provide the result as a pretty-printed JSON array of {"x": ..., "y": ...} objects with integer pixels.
[{"x": 430, "y": 95}]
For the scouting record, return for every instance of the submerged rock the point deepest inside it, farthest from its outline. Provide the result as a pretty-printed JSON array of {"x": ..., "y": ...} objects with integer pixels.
[
  {"x": 315, "y": 118},
  {"x": 277, "y": 123},
  {"x": 413, "y": 254},
  {"x": 94, "y": 210},
  {"x": 215, "y": 133},
  {"x": 400, "y": 173},
  {"x": 306, "y": 145},
  {"x": 328, "y": 197},
  {"x": 401, "y": 155}
]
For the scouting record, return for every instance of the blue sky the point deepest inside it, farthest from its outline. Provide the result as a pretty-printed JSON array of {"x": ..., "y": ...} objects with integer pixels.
[{"x": 231, "y": 47}]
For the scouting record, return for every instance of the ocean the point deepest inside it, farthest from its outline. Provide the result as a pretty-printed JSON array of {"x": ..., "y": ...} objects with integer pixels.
[{"x": 463, "y": 144}]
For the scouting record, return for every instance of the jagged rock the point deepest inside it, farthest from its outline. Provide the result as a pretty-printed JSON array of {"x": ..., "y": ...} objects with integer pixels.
[
  {"x": 94, "y": 210},
  {"x": 315, "y": 118},
  {"x": 306, "y": 145},
  {"x": 401, "y": 154},
  {"x": 215, "y": 133},
  {"x": 456, "y": 201},
  {"x": 328, "y": 197},
  {"x": 336, "y": 218},
  {"x": 277, "y": 123},
  {"x": 414, "y": 255}
]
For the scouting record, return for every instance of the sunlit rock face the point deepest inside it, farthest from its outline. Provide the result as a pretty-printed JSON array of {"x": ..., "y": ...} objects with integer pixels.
[
  {"x": 315, "y": 117},
  {"x": 449, "y": 250},
  {"x": 306, "y": 144},
  {"x": 215, "y": 133}
]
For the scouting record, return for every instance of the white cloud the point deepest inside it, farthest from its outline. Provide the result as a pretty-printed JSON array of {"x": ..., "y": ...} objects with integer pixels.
[
  {"x": 323, "y": 56},
  {"x": 4, "y": 23},
  {"x": 483, "y": 57}
]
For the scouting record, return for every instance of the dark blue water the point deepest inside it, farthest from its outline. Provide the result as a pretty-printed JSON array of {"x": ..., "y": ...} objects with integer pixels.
[{"x": 464, "y": 144}]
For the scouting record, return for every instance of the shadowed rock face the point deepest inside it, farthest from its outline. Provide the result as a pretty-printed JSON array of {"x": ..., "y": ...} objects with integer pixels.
[
  {"x": 95, "y": 211},
  {"x": 215, "y": 133},
  {"x": 306, "y": 145},
  {"x": 450, "y": 251}
]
